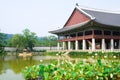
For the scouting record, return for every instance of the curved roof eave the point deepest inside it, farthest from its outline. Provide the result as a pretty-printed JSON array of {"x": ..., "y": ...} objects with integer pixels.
[
  {"x": 64, "y": 29},
  {"x": 104, "y": 17},
  {"x": 105, "y": 23}
]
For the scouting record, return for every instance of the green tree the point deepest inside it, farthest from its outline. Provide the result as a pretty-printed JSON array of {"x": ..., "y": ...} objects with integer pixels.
[
  {"x": 52, "y": 41},
  {"x": 2, "y": 44},
  {"x": 18, "y": 41},
  {"x": 44, "y": 41},
  {"x": 48, "y": 41},
  {"x": 27, "y": 40},
  {"x": 2, "y": 40},
  {"x": 30, "y": 39}
]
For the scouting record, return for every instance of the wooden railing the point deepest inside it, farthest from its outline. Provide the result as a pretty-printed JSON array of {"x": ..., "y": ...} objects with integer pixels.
[
  {"x": 106, "y": 37},
  {"x": 89, "y": 37}
]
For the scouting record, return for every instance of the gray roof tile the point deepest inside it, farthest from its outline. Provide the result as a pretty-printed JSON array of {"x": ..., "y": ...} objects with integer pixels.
[
  {"x": 69, "y": 28},
  {"x": 103, "y": 17}
]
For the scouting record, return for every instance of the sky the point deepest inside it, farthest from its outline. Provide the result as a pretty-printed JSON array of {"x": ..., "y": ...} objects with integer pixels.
[{"x": 41, "y": 16}]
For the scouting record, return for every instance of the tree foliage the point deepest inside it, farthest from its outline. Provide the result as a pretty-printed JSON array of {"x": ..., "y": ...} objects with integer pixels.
[
  {"x": 2, "y": 40},
  {"x": 18, "y": 41},
  {"x": 2, "y": 43},
  {"x": 48, "y": 41},
  {"x": 25, "y": 40},
  {"x": 30, "y": 38}
]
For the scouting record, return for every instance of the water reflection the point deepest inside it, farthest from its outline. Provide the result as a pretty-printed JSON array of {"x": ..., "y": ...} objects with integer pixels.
[
  {"x": 18, "y": 64},
  {"x": 11, "y": 66},
  {"x": 10, "y": 75},
  {"x": 1, "y": 66}
]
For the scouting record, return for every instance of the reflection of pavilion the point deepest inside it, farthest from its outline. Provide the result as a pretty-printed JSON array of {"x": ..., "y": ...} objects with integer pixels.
[
  {"x": 90, "y": 29},
  {"x": 25, "y": 53}
]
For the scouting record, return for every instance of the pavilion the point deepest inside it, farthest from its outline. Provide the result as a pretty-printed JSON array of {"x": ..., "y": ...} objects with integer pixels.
[{"x": 90, "y": 29}]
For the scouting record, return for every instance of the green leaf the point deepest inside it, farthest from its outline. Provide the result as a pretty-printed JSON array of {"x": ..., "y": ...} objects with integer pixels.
[
  {"x": 74, "y": 74},
  {"x": 99, "y": 62},
  {"x": 80, "y": 78},
  {"x": 46, "y": 75},
  {"x": 90, "y": 73}
]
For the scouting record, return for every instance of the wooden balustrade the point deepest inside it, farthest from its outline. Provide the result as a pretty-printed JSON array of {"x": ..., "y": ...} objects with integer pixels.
[{"x": 89, "y": 37}]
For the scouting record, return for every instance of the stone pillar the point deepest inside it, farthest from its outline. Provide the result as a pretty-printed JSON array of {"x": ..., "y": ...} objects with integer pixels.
[
  {"x": 93, "y": 44},
  {"x": 119, "y": 44},
  {"x": 63, "y": 45},
  {"x": 84, "y": 45},
  {"x": 58, "y": 46},
  {"x": 103, "y": 45},
  {"x": 69, "y": 45},
  {"x": 112, "y": 44},
  {"x": 72, "y": 45},
  {"x": 66, "y": 45},
  {"x": 76, "y": 45}
]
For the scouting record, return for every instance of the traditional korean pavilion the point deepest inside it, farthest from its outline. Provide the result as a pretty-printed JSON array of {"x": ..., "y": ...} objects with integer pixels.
[{"x": 90, "y": 29}]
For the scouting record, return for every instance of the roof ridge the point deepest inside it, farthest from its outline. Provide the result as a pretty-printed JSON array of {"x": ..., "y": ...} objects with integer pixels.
[{"x": 98, "y": 10}]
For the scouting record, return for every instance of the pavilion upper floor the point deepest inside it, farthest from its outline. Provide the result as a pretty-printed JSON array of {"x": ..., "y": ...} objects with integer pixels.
[{"x": 90, "y": 32}]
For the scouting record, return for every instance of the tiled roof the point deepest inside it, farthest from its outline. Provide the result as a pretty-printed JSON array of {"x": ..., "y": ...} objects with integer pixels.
[
  {"x": 69, "y": 28},
  {"x": 102, "y": 17}
]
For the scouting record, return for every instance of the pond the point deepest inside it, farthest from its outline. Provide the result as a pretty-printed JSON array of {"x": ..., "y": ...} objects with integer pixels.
[{"x": 11, "y": 66}]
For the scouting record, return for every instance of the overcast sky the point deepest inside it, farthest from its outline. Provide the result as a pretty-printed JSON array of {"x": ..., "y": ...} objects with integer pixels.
[{"x": 41, "y": 16}]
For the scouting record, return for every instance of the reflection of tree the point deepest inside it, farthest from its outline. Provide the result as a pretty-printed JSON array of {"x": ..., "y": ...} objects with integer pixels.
[
  {"x": 19, "y": 64},
  {"x": 1, "y": 66}
]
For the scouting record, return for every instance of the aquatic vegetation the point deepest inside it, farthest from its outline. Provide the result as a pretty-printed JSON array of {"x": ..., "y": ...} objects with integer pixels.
[
  {"x": 54, "y": 53},
  {"x": 67, "y": 70},
  {"x": 100, "y": 55},
  {"x": 74, "y": 54}
]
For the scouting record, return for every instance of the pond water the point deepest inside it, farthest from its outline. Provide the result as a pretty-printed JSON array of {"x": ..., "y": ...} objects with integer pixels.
[{"x": 11, "y": 66}]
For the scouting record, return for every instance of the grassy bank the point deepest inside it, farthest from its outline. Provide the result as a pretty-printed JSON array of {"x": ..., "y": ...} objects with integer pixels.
[{"x": 96, "y": 55}]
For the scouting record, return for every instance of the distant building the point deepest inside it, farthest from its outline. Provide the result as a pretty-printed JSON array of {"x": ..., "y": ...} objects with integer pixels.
[{"x": 90, "y": 29}]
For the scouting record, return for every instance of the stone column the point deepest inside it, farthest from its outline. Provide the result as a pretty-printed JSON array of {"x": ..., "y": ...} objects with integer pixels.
[
  {"x": 93, "y": 44},
  {"x": 119, "y": 44},
  {"x": 58, "y": 46},
  {"x": 66, "y": 45},
  {"x": 103, "y": 45},
  {"x": 69, "y": 45},
  {"x": 76, "y": 45},
  {"x": 112, "y": 44},
  {"x": 84, "y": 45},
  {"x": 72, "y": 45},
  {"x": 63, "y": 45}
]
